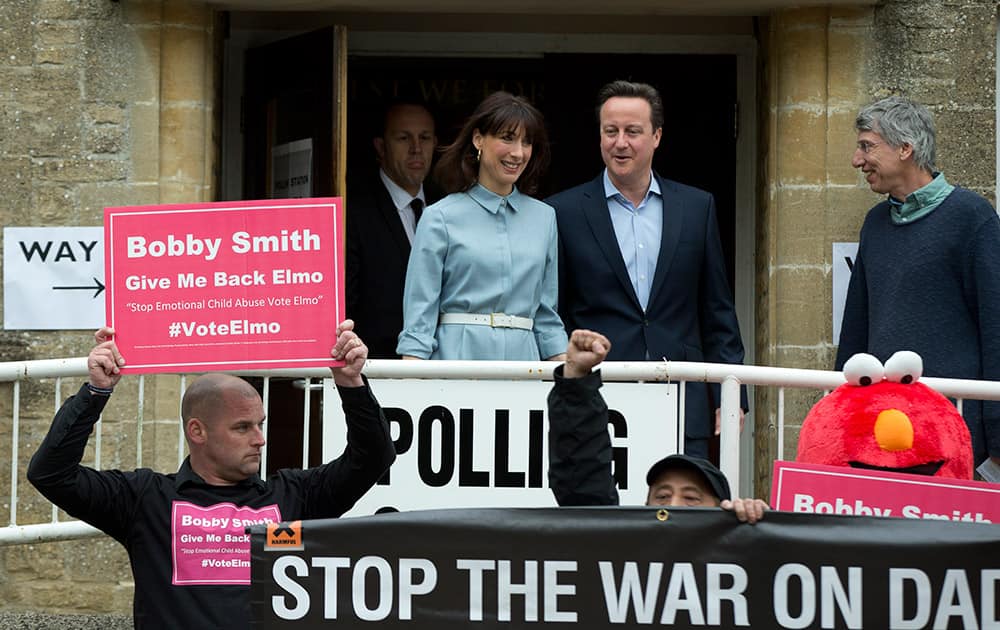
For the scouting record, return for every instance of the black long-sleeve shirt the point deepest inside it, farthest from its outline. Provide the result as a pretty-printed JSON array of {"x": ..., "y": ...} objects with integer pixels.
[
  {"x": 579, "y": 443},
  {"x": 185, "y": 538},
  {"x": 932, "y": 286}
]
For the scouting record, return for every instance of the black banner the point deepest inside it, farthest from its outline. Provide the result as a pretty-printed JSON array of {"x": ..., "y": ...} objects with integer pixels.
[{"x": 627, "y": 567}]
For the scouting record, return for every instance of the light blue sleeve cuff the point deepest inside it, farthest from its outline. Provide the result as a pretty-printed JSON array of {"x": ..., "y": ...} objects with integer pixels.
[
  {"x": 415, "y": 345},
  {"x": 551, "y": 343}
]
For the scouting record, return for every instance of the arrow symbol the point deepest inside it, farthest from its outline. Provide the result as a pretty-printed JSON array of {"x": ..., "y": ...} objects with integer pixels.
[
  {"x": 284, "y": 528},
  {"x": 97, "y": 287}
]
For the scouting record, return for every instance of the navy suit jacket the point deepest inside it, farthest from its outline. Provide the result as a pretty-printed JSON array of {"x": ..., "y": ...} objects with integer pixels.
[
  {"x": 690, "y": 315},
  {"x": 377, "y": 254}
]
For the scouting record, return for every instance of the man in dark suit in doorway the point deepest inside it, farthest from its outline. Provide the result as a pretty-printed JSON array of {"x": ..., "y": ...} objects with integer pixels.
[
  {"x": 641, "y": 260},
  {"x": 381, "y": 218}
]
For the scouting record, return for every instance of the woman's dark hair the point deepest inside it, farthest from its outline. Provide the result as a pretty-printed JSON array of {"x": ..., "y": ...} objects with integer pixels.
[{"x": 458, "y": 168}]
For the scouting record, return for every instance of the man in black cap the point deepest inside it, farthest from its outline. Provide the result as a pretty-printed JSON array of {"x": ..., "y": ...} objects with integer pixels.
[
  {"x": 580, "y": 447},
  {"x": 678, "y": 480}
]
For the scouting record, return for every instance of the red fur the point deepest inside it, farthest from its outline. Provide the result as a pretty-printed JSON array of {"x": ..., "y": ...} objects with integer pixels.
[{"x": 839, "y": 429}]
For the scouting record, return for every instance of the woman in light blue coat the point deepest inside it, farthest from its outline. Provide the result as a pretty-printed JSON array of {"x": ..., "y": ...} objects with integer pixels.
[{"x": 482, "y": 279}]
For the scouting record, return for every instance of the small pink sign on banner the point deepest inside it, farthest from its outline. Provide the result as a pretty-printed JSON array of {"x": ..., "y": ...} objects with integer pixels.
[
  {"x": 820, "y": 489},
  {"x": 225, "y": 286}
]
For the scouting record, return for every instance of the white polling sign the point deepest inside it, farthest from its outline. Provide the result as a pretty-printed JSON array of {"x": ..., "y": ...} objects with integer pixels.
[
  {"x": 53, "y": 278},
  {"x": 464, "y": 443},
  {"x": 291, "y": 170},
  {"x": 844, "y": 255}
]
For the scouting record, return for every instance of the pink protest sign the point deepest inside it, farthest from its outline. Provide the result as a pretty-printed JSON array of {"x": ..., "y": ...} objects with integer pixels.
[
  {"x": 823, "y": 489},
  {"x": 225, "y": 286}
]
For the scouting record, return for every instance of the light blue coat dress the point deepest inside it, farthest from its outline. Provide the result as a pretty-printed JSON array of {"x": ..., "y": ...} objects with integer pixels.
[{"x": 477, "y": 252}]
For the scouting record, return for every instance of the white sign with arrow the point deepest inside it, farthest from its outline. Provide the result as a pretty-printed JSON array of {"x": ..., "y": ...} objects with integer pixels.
[{"x": 53, "y": 278}]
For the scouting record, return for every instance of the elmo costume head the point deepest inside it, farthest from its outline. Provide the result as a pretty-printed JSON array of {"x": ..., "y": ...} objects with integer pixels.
[{"x": 883, "y": 419}]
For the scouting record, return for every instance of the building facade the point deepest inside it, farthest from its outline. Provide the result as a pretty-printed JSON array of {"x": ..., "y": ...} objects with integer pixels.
[{"x": 107, "y": 103}]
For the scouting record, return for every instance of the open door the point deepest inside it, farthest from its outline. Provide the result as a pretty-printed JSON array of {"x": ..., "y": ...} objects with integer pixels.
[
  {"x": 294, "y": 124},
  {"x": 294, "y": 97}
]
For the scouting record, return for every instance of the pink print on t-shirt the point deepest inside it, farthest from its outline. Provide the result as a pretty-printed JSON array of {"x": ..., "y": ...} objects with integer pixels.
[{"x": 209, "y": 544}]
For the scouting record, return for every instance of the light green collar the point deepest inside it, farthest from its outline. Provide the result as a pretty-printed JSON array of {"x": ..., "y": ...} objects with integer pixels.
[{"x": 920, "y": 202}]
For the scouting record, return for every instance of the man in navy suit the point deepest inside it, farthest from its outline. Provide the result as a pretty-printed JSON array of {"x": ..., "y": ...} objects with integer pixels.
[
  {"x": 381, "y": 218},
  {"x": 641, "y": 260}
]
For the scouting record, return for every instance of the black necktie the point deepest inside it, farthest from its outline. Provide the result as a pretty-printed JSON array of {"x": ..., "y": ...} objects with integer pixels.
[{"x": 418, "y": 207}]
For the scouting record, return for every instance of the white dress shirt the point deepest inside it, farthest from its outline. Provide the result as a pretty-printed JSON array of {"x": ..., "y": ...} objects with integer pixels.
[{"x": 401, "y": 199}]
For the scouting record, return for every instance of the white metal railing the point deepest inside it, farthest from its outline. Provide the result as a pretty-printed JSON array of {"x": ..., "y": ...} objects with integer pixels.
[
  {"x": 59, "y": 369},
  {"x": 729, "y": 376}
]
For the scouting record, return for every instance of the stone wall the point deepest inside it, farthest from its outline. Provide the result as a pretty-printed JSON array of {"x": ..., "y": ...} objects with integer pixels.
[
  {"x": 814, "y": 83},
  {"x": 102, "y": 103},
  {"x": 943, "y": 54}
]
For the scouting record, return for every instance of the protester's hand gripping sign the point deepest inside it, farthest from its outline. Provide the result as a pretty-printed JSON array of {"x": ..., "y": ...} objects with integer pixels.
[{"x": 225, "y": 286}]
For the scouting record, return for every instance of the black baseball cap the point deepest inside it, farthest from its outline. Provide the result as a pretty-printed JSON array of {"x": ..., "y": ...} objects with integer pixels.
[{"x": 712, "y": 475}]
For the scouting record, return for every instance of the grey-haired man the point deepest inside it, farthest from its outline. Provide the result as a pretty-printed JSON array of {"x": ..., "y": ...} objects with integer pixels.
[{"x": 927, "y": 274}]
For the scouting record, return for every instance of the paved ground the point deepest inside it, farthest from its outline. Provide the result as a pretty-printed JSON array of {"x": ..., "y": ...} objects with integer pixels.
[{"x": 39, "y": 621}]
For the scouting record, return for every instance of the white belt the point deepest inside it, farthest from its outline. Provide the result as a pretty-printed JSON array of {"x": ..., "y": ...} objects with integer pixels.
[{"x": 494, "y": 320}]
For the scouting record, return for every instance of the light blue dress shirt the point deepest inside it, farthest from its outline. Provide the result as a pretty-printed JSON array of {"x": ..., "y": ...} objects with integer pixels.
[
  {"x": 638, "y": 230},
  {"x": 477, "y": 252}
]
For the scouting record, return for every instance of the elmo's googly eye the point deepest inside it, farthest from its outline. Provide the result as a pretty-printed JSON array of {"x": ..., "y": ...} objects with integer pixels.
[
  {"x": 904, "y": 367},
  {"x": 863, "y": 369}
]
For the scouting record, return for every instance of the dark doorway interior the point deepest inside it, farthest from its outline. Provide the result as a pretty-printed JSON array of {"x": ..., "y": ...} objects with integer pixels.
[
  {"x": 699, "y": 93},
  {"x": 285, "y": 100}
]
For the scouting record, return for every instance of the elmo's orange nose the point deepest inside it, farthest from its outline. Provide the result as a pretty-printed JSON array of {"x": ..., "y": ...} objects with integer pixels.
[{"x": 893, "y": 430}]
